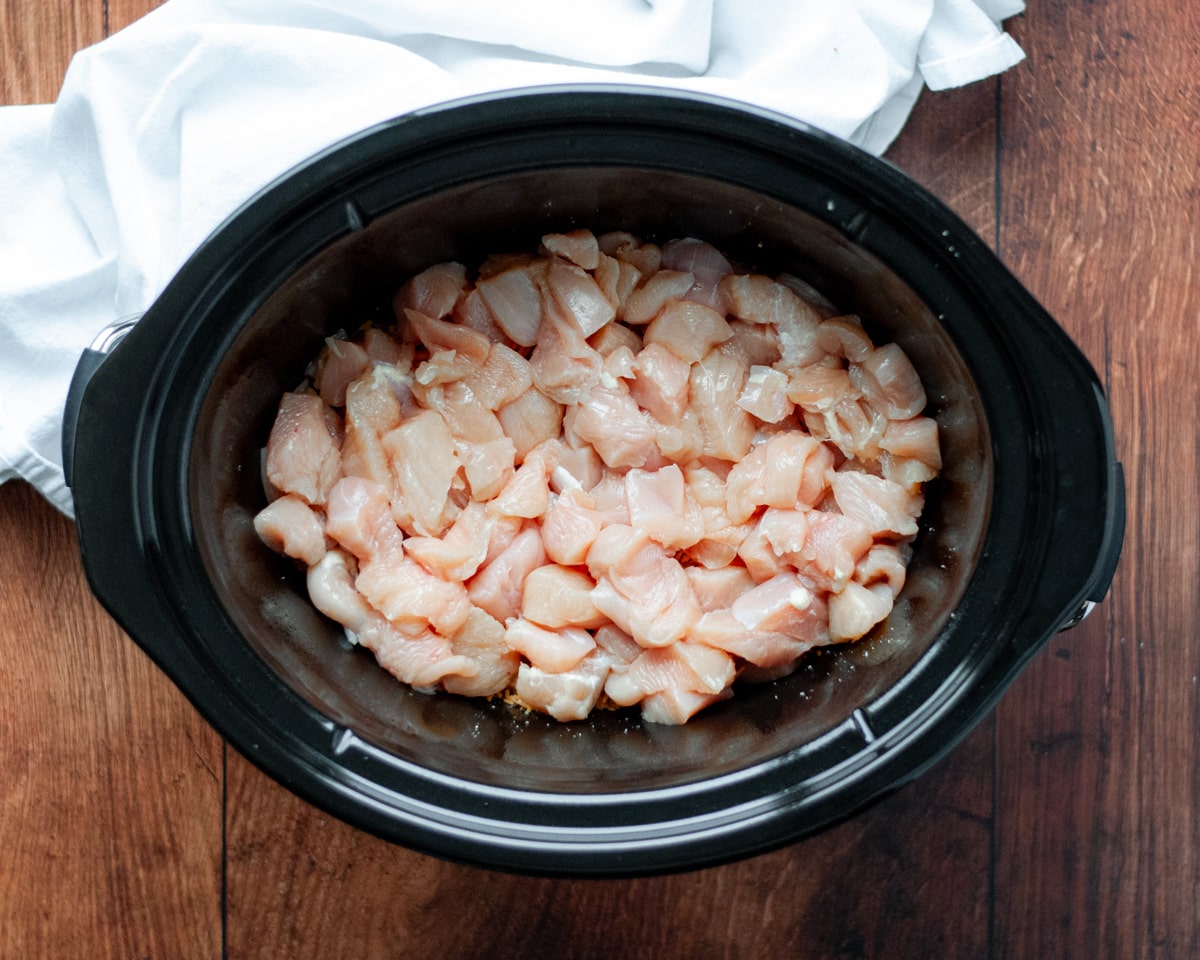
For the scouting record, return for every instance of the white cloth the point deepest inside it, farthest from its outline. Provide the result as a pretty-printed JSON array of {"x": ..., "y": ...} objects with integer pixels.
[{"x": 163, "y": 129}]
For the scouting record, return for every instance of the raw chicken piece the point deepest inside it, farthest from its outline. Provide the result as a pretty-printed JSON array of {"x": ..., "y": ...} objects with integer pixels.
[
  {"x": 433, "y": 292},
  {"x": 303, "y": 455},
  {"x": 578, "y": 246},
  {"x": 488, "y": 466},
  {"x": 647, "y": 257},
  {"x": 661, "y": 507},
  {"x": 289, "y": 526},
  {"x": 577, "y": 467},
  {"x": 909, "y": 473},
  {"x": 765, "y": 394},
  {"x": 555, "y": 596},
  {"x": 760, "y": 299},
  {"x": 854, "y": 610},
  {"x": 856, "y": 428},
  {"x": 612, "y": 337},
  {"x": 496, "y": 588},
  {"x": 481, "y": 640},
  {"x": 663, "y": 287},
  {"x": 383, "y": 348},
  {"x": 722, "y": 630},
  {"x": 564, "y": 367},
  {"x": 757, "y": 342},
  {"x": 783, "y": 604},
  {"x": 883, "y": 506},
  {"x": 504, "y": 532},
  {"x": 691, "y": 667},
  {"x": 620, "y": 648},
  {"x": 716, "y": 382},
  {"x": 689, "y": 330},
  {"x": 706, "y": 263},
  {"x": 833, "y": 548},
  {"x": 609, "y": 500},
  {"x": 844, "y": 337},
  {"x": 676, "y": 707},
  {"x": 422, "y": 659},
  {"x": 473, "y": 312},
  {"x": 372, "y": 409},
  {"x": 471, "y": 345},
  {"x": 884, "y": 563},
  {"x": 467, "y": 418},
  {"x": 551, "y": 650},
  {"x": 612, "y": 422},
  {"x": 443, "y": 366},
  {"x": 461, "y": 552},
  {"x": 819, "y": 388},
  {"x": 421, "y": 453},
  {"x": 795, "y": 470},
  {"x": 785, "y": 532},
  {"x": 411, "y": 597},
  {"x": 568, "y": 695},
  {"x": 527, "y": 494},
  {"x": 570, "y": 527},
  {"x": 616, "y": 280},
  {"x": 531, "y": 419},
  {"x": 717, "y": 589},
  {"x": 339, "y": 363},
  {"x": 889, "y": 381},
  {"x": 745, "y": 485},
  {"x": 358, "y": 516},
  {"x": 641, "y": 589},
  {"x": 680, "y": 441},
  {"x": 501, "y": 379},
  {"x": 916, "y": 439},
  {"x": 515, "y": 302},
  {"x": 759, "y": 556},
  {"x": 576, "y": 294}
]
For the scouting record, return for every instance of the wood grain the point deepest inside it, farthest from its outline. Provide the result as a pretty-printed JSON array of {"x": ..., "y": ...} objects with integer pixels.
[
  {"x": 36, "y": 44},
  {"x": 1098, "y": 801}
]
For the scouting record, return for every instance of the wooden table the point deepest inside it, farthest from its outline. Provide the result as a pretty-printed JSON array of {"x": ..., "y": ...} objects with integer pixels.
[{"x": 1067, "y": 825}]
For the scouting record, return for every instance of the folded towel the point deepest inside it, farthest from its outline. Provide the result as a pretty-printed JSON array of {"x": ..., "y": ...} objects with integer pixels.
[{"x": 163, "y": 129}]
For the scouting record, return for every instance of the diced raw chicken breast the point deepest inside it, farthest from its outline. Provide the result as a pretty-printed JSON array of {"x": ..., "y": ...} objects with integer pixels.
[
  {"x": 884, "y": 563},
  {"x": 488, "y": 466},
  {"x": 531, "y": 419},
  {"x": 358, "y": 516},
  {"x": 692, "y": 667},
  {"x": 882, "y": 506},
  {"x": 682, "y": 440},
  {"x": 855, "y": 609},
  {"x": 676, "y": 707},
  {"x": 461, "y": 551},
  {"x": 705, "y": 262},
  {"x": 570, "y": 527},
  {"x": 576, "y": 294},
  {"x": 819, "y": 388},
  {"x": 497, "y": 587},
  {"x": 515, "y": 302},
  {"x": 481, "y": 640},
  {"x": 715, "y": 383},
  {"x": 372, "y": 409},
  {"x": 421, "y": 659},
  {"x": 795, "y": 470},
  {"x": 647, "y": 257},
  {"x": 433, "y": 292},
  {"x": 609, "y": 500},
  {"x": 290, "y": 526},
  {"x": 383, "y": 348},
  {"x": 689, "y": 330},
  {"x": 551, "y": 650},
  {"x": 421, "y": 452},
  {"x": 916, "y": 439},
  {"x": 339, "y": 363},
  {"x": 717, "y": 589},
  {"x": 721, "y": 629},
  {"x": 616, "y": 280},
  {"x": 640, "y": 588},
  {"x": 564, "y": 367},
  {"x": 303, "y": 455},
  {"x": 844, "y": 337},
  {"x": 620, "y": 648},
  {"x": 612, "y": 337},
  {"x": 785, "y": 532},
  {"x": 757, "y": 342},
  {"x": 612, "y": 422},
  {"x": 527, "y": 494},
  {"x": 568, "y": 695},
  {"x": 501, "y": 379},
  {"x": 760, "y": 299},
  {"x": 576, "y": 467},
  {"x": 577, "y": 246},
  {"x": 660, "y": 505},
  {"x": 407, "y": 594},
  {"x": 783, "y": 604},
  {"x": 833, "y": 547},
  {"x": 759, "y": 556},
  {"x": 555, "y": 596},
  {"x": 663, "y": 287},
  {"x": 889, "y": 381},
  {"x": 765, "y": 394},
  {"x": 660, "y": 383},
  {"x": 473, "y": 312},
  {"x": 471, "y": 345}
]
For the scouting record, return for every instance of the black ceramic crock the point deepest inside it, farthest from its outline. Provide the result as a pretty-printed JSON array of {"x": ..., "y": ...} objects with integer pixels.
[{"x": 1020, "y": 535}]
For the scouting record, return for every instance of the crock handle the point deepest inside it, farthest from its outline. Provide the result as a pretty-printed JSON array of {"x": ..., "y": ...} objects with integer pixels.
[{"x": 89, "y": 363}]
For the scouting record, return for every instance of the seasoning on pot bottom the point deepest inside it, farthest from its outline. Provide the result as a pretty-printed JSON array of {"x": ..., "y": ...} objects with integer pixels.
[{"x": 606, "y": 474}]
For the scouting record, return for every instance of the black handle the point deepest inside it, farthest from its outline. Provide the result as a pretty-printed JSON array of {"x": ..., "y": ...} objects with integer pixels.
[{"x": 88, "y": 364}]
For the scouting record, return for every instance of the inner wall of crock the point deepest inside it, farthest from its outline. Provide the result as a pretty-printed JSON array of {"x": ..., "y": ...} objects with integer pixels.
[{"x": 352, "y": 282}]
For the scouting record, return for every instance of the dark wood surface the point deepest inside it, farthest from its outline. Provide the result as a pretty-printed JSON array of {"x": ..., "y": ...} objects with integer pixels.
[{"x": 1066, "y": 825}]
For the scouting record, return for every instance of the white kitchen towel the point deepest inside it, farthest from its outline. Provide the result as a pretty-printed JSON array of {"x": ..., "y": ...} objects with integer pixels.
[{"x": 163, "y": 129}]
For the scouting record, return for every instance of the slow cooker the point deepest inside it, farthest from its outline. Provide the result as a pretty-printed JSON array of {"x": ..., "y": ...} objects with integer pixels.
[{"x": 1020, "y": 536}]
